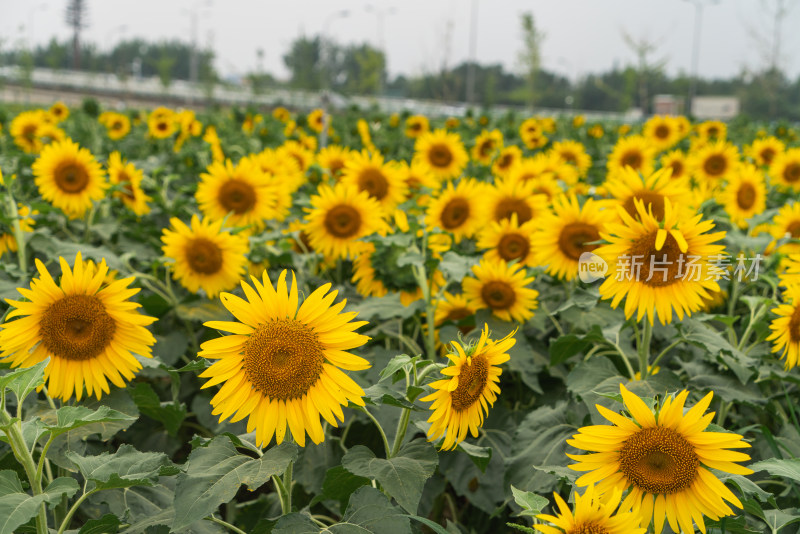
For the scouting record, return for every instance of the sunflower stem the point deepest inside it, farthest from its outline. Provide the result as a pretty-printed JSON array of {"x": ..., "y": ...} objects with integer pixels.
[
  {"x": 644, "y": 349},
  {"x": 378, "y": 426},
  {"x": 664, "y": 352},
  {"x": 19, "y": 235},
  {"x": 402, "y": 426},
  {"x": 68, "y": 518},
  {"x": 89, "y": 219},
  {"x": 281, "y": 494},
  {"x": 24, "y": 457},
  {"x": 754, "y": 318},
  {"x": 287, "y": 484},
  {"x": 224, "y": 524}
]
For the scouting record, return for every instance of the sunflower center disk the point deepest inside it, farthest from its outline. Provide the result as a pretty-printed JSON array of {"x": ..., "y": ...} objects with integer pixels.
[
  {"x": 204, "y": 256},
  {"x": 793, "y": 229},
  {"x": 792, "y": 173},
  {"x": 794, "y": 325},
  {"x": 767, "y": 154},
  {"x": 632, "y": 159},
  {"x": 374, "y": 183},
  {"x": 715, "y": 166},
  {"x": 677, "y": 168},
  {"x": 440, "y": 156},
  {"x": 574, "y": 237},
  {"x": 455, "y": 213},
  {"x": 662, "y": 132},
  {"x": 498, "y": 295},
  {"x": 513, "y": 246},
  {"x": 746, "y": 196},
  {"x": 588, "y": 528},
  {"x": 658, "y": 268},
  {"x": 283, "y": 359},
  {"x": 71, "y": 178},
  {"x": 486, "y": 148},
  {"x": 342, "y": 221},
  {"x": 77, "y": 327},
  {"x": 471, "y": 382},
  {"x": 237, "y": 196},
  {"x": 510, "y": 205},
  {"x": 652, "y": 201},
  {"x": 659, "y": 460}
]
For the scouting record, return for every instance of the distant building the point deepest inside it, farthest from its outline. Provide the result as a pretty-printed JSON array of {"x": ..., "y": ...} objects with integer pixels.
[
  {"x": 667, "y": 105},
  {"x": 715, "y": 107}
]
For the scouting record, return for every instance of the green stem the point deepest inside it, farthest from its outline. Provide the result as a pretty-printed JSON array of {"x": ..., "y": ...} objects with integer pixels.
[
  {"x": 546, "y": 311},
  {"x": 281, "y": 494},
  {"x": 19, "y": 235},
  {"x": 425, "y": 372},
  {"x": 23, "y": 456},
  {"x": 644, "y": 349},
  {"x": 89, "y": 219},
  {"x": 754, "y": 318},
  {"x": 380, "y": 430},
  {"x": 225, "y": 524},
  {"x": 664, "y": 352},
  {"x": 43, "y": 457},
  {"x": 68, "y": 518},
  {"x": 402, "y": 426},
  {"x": 287, "y": 483}
]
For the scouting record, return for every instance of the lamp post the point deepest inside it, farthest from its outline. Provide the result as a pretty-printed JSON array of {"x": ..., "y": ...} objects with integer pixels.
[
  {"x": 473, "y": 45},
  {"x": 380, "y": 15},
  {"x": 325, "y": 57},
  {"x": 698, "y": 28}
]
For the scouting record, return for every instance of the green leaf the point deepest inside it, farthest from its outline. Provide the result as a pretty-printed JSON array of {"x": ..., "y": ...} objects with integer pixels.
[
  {"x": 788, "y": 468},
  {"x": 297, "y": 523},
  {"x": 480, "y": 456},
  {"x": 403, "y": 476},
  {"x": 171, "y": 347},
  {"x": 530, "y": 503},
  {"x": 380, "y": 394},
  {"x": 9, "y": 482},
  {"x": 108, "y": 524},
  {"x": 61, "y": 486},
  {"x": 23, "y": 381},
  {"x": 339, "y": 484},
  {"x": 436, "y": 527},
  {"x": 72, "y": 417},
  {"x": 125, "y": 468},
  {"x": 565, "y": 347},
  {"x": 17, "y": 509},
  {"x": 387, "y": 307},
  {"x": 454, "y": 266},
  {"x": 777, "y": 519},
  {"x": 214, "y": 474},
  {"x": 168, "y": 413},
  {"x": 395, "y": 364}
]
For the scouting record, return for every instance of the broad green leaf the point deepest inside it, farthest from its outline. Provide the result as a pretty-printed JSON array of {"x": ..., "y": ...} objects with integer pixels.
[
  {"x": 480, "y": 456},
  {"x": 567, "y": 346},
  {"x": 395, "y": 364},
  {"x": 369, "y": 510},
  {"x": 297, "y": 523},
  {"x": 787, "y": 468},
  {"x": 23, "y": 381},
  {"x": 16, "y": 509},
  {"x": 125, "y": 468},
  {"x": 61, "y": 486},
  {"x": 403, "y": 476},
  {"x": 214, "y": 474},
  {"x": 379, "y": 394},
  {"x": 9, "y": 482},
  {"x": 72, "y": 417},
  {"x": 171, "y": 347},
  {"x": 387, "y": 307},
  {"x": 168, "y": 413},
  {"x": 339, "y": 484},
  {"x": 436, "y": 527},
  {"x": 530, "y": 503},
  {"x": 777, "y": 519},
  {"x": 108, "y": 524},
  {"x": 454, "y": 266}
]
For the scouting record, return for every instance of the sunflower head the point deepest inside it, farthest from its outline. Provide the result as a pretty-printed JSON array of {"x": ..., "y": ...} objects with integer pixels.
[
  {"x": 593, "y": 513},
  {"x": 502, "y": 288},
  {"x": 442, "y": 152}
]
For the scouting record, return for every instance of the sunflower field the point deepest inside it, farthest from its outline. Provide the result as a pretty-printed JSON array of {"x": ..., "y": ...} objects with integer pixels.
[{"x": 353, "y": 322}]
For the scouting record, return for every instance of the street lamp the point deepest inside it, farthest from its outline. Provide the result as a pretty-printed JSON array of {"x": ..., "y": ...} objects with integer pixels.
[
  {"x": 325, "y": 56},
  {"x": 698, "y": 25},
  {"x": 380, "y": 15},
  {"x": 473, "y": 45}
]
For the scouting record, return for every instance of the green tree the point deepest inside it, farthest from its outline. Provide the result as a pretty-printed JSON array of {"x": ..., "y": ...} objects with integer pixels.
[
  {"x": 77, "y": 18},
  {"x": 304, "y": 61},
  {"x": 529, "y": 57}
]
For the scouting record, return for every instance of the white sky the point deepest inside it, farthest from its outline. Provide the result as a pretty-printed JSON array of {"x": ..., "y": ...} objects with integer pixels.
[{"x": 581, "y": 36}]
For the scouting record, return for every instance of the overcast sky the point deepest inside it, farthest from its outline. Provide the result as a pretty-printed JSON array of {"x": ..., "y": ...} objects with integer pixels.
[{"x": 419, "y": 36}]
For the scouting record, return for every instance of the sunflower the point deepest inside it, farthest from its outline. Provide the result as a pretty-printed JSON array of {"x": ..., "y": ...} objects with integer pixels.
[
  {"x": 24, "y": 129},
  {"x": 283, "y": 364},
  {"x": 339, "y": 216},
  {"x": 161, "y": 123},
  {"x": 316, "y": 120},
  {"x": 129, "y": 178},
  {"x": 471, "y": 383},
  {"x": 333, "y": 159},
  {"x": 661, "y": 131},
  {"x": 627, "y": 186},
  {"x": 677, "y": 162},
  {"x": 566, "y": 233},
  {"x": 663, "y": 457},
  {"x": 452, "y": 307},
  {"x": 59, "y": 111},
  {"x": 714, "y": 161},
  {"x": 416, "y": 125},
  {"x": 487, "y": 144},
  {"x": 572, "y": 153},
  {"x": 593, "y": 513},
  {"x": 280, "y": 167},
  {"x": 299, "y": 152},
  {"x": 242, "y": 193},
  {"x": 745, "y": 194},
  {"x": 458, "y": 209},
  {"x": 86, "y": 326},
  {"x": 281, "y": 114},
  {"x": 506, "y": 159},
  {"x": 785, "y": 328},
  {"x": 507, "y": 240},
  {"x": 532, "y": 133},
  {"x": 69, "y": 177},
  {"x": 763, "y": 151},
  {"x": 204, "y": 256},
  {"x": 511, "y": 196},
  {"x": 381, "y": 181},
  {"x": 785, "y": 170},
  {"x": 501, "y": 287},
  {"x": 786, "y": 225},
  {"x": 443, "y": 153},
  {"x": 26, "y": 223},
  {"x": 660, "y": 264},
  {"x": 417, "y": 176},
  {"x": 712, "y": 131},
  {"x": 362, "y": 127},
  {"x": 633, "y": 151}
]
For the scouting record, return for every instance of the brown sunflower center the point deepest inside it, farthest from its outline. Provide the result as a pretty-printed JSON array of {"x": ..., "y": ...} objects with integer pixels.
[
  {"x": 652, "y": 201},
  {"x": 767, "y": 154},
  {"x": 569, "y": 157},
  {"x": 116, "y": 125},
  {"x": 204, "y": 256},
  {"x": 513, "y": 246},
  {"x": 662, "y": 132},
  {"x": 237, "y": 196},
  {"x": 574, "y": 238},
  {"x": 283, "y": 359},
  {"x": 715, "y": 165},
  {"x": 794, "y": 325},
  {"x": 440, "y": 156},
  {"x": 498, "y": 295},
  {"x": 456, "y": 314},
  {"x": 486, "y": 148},
  {"x": 471, "y": 382},
  {"x": 793, "y": 229},
  {"x": 71, "y": 178},
  {"x": 588, "y": 528},
  {"x": 29, "y": 131},
  {"x": 791, "y": 173},
  {"x": 335, "y": 166},
  {"x": 505, "y": 161},
  {"x": 162, "y": 126},
  {"x": 677, "y": 168},
  {"x": 510, "y": 205},
  {"x": 455, "y": 213},
  {"x": 746, "y": 196},
  {"x": 657, "y": 268},
  {"x": 713, "y": 131},
  {"x": 77, "y": 327},
  {"x": 342, "y": 221},
  {"x": 632, "y": 159},
  {"x": 659, "y": 460},
  {"x": 374, "y": 182}
]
